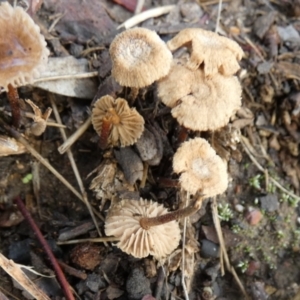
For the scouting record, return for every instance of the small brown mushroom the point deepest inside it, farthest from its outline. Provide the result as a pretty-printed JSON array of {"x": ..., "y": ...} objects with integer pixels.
[
  {"x": 116, "y": 122},
  {"x": 23, "y": 49},
  {"x": 217, "y": 53},
  {"x": 124, "y": 222},
  {"x": 200, "y": 168},
  {"x": 139, "y": 58},
  {"x": 197, "y": 102}
]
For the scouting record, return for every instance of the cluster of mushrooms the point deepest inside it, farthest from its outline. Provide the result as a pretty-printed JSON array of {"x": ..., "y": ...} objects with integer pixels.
[{"x": 202, "y": 92}]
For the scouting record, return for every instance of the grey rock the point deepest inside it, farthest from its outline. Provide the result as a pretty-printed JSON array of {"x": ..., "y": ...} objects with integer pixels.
[
  {"x": 209, "y": 249},
  {"x": 137, "y": 285},
  {"x": 269, "y": 202}
]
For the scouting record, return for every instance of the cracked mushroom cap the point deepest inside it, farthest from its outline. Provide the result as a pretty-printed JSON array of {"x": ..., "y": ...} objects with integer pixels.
[
  {"x": 126, "y": 124},
  {"x": 123, "y": 222},
  {"x": 139, "y": 57},
  {"x": 197, "y": 102},
  {"x": 217, "y": 53},
  {"x": 200, "y": 168},
  {"x": 23, "y": 51}
]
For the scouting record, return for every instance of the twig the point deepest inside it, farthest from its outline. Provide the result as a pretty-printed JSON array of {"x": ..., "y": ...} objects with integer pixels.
[
  {"x": 139, "y": 6},
  {"x": 73, "y": 164},
  {"x": 219, "y": 16},
  {"x": 262, "y": 169},
  {"x": 159, "y": 282},
  {"x": 60, "y": 275},
  {"x": 93, "y": 240},
  {"x": 223, "y": 253},
  {"x": 75, "y": 136},
  {"x": 151, "y": 13}
]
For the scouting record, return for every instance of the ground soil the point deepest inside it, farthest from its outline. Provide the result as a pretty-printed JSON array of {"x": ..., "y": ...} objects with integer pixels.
[{"x": 259, "y": 212}]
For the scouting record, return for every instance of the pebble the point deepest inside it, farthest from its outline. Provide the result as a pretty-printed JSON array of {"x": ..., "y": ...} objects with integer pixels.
[
  {"x": 239, "y": 208},
  {"x": 253, "y": 217},
  {"x": 269, "y": 202},
  {"x": 137, "y": 284},
  {"x": 209, "y": 249}
]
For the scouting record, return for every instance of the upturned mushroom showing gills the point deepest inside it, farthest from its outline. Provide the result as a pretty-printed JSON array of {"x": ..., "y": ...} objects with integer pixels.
[
  {"x": 139, "y": 57},
  {"x": 123, "y": 222},
  {"x": 200, "y": 168},
  {"x": 218, "y": 54},
  {"x": 197, "y": 102},
  {"x": 23, "y": 49},
  {"x": 115, "y": 122}
]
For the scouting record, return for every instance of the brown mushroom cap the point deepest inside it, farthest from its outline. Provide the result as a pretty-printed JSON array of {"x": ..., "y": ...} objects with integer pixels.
[
  {"x": 218, "y": 53},
  {"x": 127, "y": 124},
  {"x": 23, "y": 49},
  {"x": 139, "y": 58},
  {"x": 123, "y": 222},
  {"x": 197, "y": 102},
  {"x": 201, "y": 169}
]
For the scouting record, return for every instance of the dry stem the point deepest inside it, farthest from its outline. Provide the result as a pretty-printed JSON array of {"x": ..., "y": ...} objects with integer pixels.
[
  {"x": 262, "y": 169},
  {"x": 73, "y": 164},
  {"x": 75, "y": 136},
  {"x": 223, "y": 254},
  {"x": 151, "y": 13}
]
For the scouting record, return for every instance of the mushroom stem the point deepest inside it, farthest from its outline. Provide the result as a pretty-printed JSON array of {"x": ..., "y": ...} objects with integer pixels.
[
  {"x": 146, "y": 223},
  {"x": 105, "y": 131},
  {"x": 13, "y": 97}
]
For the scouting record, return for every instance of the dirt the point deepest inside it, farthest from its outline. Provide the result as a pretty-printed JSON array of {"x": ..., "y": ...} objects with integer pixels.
[{"x": 260, "y": 220}]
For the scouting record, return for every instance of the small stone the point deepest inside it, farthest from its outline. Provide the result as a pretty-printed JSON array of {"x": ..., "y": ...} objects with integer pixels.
[
  {"x": 86, "y": 255},
  {"x": 239, "y": 208},
  {"x": 209, "y": 249},
  {"x": 254, "y": 217},
  {"x": 269, "y": 202},
  {"x": 137, "y": 285}
]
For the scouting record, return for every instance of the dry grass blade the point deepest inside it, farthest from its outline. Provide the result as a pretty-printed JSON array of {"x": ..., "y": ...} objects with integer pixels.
[
  {"x": 223, "y": 254},
  {"x": 219, "y": 16},
  {"x": 262, "y": 169},
  {"x": 44, "y": 162},
  {"x": 71, "y": 76},
  {"x": 75, "y": 136},
  {"x": 151, "y": 13},
  {"x": 17, "y": 274},
  {"x": 95, "y": 240},
  {"x": 73, "y": 164}
]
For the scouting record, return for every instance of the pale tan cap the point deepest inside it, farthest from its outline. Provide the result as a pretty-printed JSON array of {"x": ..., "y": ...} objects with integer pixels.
[
  {"x": 217, "y": 53},
  {"x": 197, "y": 102},
  {"x": 139, "y": 58},
  {"x": 200, "y": 168},
  {"x": 123, "y": 222},
  {"x": 23, "y": 51}
]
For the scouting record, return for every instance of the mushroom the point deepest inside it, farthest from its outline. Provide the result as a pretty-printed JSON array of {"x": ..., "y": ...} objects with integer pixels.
[
  {"x": 116, "y": 122},
  {"x": 197, "y": 102},
  {"x": 217, "y": 53},
  {"x": 124, "y": 222},
  {"x": 23, "y": 53},
  {"x": 23, "y": 49},
  {"x": 139, "y": 57},
  {"x": 201, "y": 169}
]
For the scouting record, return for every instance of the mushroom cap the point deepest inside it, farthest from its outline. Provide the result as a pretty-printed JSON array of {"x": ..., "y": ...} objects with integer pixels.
[
  {"x": 129, "y": 125},
  {"x": 201, "y": 169},
  {"x": 197, "y": 102},
  {"x": 139, "y": 57},
  {"x": 218, "y": 53},
  {"x": 23, "y": 51},
  {"x": 123, "y": 222}
]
